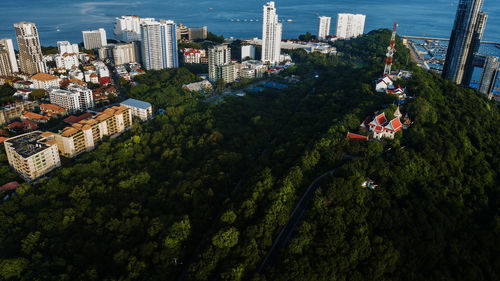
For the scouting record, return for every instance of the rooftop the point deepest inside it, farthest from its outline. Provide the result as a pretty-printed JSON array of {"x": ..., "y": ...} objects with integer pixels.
[
  {"x": 29, "y": 144},
  {"x": 136, "y": 103},
  {"x": 76, "y": 119},
  {"x": 44, "y": 77}
]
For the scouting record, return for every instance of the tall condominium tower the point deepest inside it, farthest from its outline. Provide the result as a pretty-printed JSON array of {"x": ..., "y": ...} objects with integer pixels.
[
  {"x": 465, "y": 39},
  {"x": 271, "y": 35},
  {"x": 324, "y": 27},
  {"x": 93, "y": 39},
  {"x": 489, "y": 76},
  {"x": 159, "y": 45},
  {"x": 219, "y": 64},
  {"x": 350, "y": 25},
  {"x": 8, "y": 62},
  {"x": 128, "y": 28},
  {"x": 30, "y": 52}
]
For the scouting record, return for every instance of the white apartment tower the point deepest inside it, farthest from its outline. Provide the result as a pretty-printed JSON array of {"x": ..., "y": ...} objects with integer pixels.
[
  {"x": 159, "y": 45},
  {"x": 8, "y": 62},
  {"x": 30, "y": 52},
  {"x": 64, "y": 47},
  {"x": 76, "y": 98},
  {"x": 93, "y": 39},
  {"x": 271, "y": 35},
  {"x": 324, "y": 27},
  {"x": 350, "y": 25},
  {"x": 247, "y": 51},
  {"x": 128, "y": 28},
  {"x": 219, "y": 64}
]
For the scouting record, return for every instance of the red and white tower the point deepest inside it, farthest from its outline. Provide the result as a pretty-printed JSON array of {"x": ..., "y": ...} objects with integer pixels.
[{"x": 390, "y": 51}]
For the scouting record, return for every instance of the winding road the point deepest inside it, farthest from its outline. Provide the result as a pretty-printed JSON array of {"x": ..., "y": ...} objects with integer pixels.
[{"x": 287, "y": 231}]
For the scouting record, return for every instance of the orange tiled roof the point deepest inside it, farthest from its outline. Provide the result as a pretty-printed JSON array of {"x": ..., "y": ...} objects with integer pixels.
[
  {"x": 44, "y": 77},
  {"x": 2, "y": 139},
  {"x": 34, "y": 116},
  {"x": 52, "y": 107}
]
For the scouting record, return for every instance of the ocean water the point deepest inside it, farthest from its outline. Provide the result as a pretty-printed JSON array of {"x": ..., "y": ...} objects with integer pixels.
[{"x": 420, "y": 18}]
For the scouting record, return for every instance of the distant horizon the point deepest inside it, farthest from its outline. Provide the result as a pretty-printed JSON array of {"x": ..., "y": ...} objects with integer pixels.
[{"x": 432, "y": 19}]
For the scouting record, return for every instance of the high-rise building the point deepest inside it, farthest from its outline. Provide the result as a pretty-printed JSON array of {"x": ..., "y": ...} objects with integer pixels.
[
  {"x": 220, "y": 64},
  {"x": 464, "y": 43},
  {"x": 30, "y": 52},
  {"x": 128, "y": 28},
  {"x": 324, "y": 27},
  {"x": 159, "y": 45},
  {"x": 350, "y": 25},
  {"x": 32, "y": 155},
  {"x": 247, "y": 51},
  {"x": 271, "y": 35},
  {"x": 8, "y": 61},
  {"x": 64, "y": 47},
  {"x": 489, "y": 76},
  {"x": 124, "y": 53},
  {"x": 93, "y": 39}
]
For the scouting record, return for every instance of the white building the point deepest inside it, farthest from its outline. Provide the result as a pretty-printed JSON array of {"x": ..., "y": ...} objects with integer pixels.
[
  {"x": 350, "y": 25},
  {"x": 124, "y": 53},
  {"x": 140, "y": 109},
  {"x": 67, "y": 61},
  {"x": 32, "y": 155},
  {"x": 44, "y": 81},
  {"x": 64, "y": 47},
  {"x": 247, "y": 51},
  {"x": 258, "y": 68},
  {"x": 324, "y": 27},
  {"x": 193, "y": 55},
  {"x": 271, "y": 35},
  {"x": 93, "y": 39},
  {"x": 128, "y": 28},
  {"x": 10, "y": 63},
  {"x": 76, "y": 98},
  {"x": 101, "y": 69},
  {"x": 159, "y": 45},
  {"x": 220, "y": 65}
]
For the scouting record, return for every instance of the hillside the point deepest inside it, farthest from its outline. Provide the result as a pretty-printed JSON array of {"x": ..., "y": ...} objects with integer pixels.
[{"x": 202, "y": 191}]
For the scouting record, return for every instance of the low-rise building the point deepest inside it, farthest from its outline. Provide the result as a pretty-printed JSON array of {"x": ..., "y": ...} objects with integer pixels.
[
  {"x": 86, "y": 134},
  {"x": 140, "y": 109},
  {"x": 35, "y": 117},
  {"x": 382, "y": 128},
  {"x": 22, "y": 93},
  {"x": 32, "y": 155},
  {"x": 52, "y": 110},
  {"x": 193, "y": 56},
  {"x": 14, "y": 111},
  {"x": 44, "y": 81},
  {"x": 203, "y": 86}
]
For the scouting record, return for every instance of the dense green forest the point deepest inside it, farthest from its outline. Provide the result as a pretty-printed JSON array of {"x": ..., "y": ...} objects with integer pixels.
[{"x": 200, "y": 192}]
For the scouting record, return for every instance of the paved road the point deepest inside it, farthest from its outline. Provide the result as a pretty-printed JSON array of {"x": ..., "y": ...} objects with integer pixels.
[{"x": 287, "y": 232}]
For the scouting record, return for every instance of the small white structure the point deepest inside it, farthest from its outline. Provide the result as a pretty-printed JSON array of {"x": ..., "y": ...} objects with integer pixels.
[{"x": 202, "y": 87}]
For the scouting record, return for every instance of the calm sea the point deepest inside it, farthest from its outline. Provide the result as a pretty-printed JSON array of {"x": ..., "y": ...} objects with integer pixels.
[{"x": 64, "y": 20}]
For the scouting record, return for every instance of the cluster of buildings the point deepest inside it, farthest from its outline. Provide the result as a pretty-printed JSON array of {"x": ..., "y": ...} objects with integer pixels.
[
  {"x": 34, "y": 154},
  {"x": 378, "y": 127},
  {"x": 348, "y": 26}
]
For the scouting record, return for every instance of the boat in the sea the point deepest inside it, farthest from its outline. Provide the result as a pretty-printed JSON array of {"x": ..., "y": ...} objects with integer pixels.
[{"x": 289, "y": 20}]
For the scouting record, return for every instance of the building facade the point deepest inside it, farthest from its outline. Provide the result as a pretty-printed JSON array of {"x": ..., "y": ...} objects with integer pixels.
[
  {"x": 193, "y": 56},
  {"x": 76, "y": 98},
  {"x": 8, "y": 61},
  {"x": 64, "y": 47},
  {"x": 93, "y": 39},
  {"x": 67, "y": 61},
  {"x": 489, "y": 76},
  {"x": 86, "y": 134},
  {"x": 141, "y": 109},
  {"x": 13, "y": 111},
  {"x": 324, "y": 27},
  {"x": 30, "y": 52},
  {"x": 32, "y": 155},
  {"x": 465, "y": 40},
  {"x": 247, "y": 51},
  {"x": 350, "y": 25},
  {"x": 271, "y": 35},
  {"x": 219, "y": 64},
  {"x": 128, "y": 28},
  {"x": 124, "y": 53},
  {"x": 159, "y": 45},
  {"x": 44, "y": 81}
]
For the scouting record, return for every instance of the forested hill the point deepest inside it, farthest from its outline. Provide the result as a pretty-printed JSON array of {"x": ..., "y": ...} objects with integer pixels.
[{"x": 202, "y": 191}]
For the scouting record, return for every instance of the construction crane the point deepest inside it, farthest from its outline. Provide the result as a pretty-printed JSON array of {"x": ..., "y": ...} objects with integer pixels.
[{"x": 390, "y": 51}]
